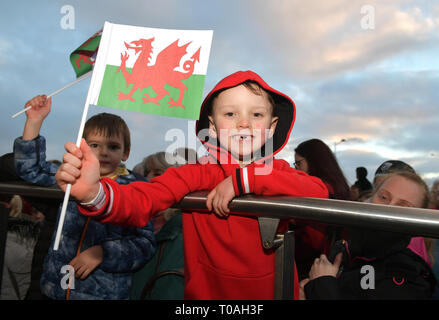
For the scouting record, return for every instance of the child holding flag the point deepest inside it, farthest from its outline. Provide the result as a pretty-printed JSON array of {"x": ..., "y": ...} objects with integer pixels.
[
  {"x": 242, "y": 117},
  {"x": 103, "y": 256}
]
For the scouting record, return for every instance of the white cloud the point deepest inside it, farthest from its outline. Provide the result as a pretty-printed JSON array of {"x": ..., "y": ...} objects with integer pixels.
[{"x": 324, "y": 38}]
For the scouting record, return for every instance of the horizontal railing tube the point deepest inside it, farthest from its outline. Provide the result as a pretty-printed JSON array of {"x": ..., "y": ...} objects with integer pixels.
[
  {"x": 30, "y": 190},
  {"x": 414, "y": 221}
]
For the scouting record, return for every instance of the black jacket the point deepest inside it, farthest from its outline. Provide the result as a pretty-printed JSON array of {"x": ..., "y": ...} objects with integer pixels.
[{"x": 376, "y": 266}]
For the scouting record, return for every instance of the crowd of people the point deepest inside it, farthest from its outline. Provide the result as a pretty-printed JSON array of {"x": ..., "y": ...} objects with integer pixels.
[{"x": 124, "y": 240}]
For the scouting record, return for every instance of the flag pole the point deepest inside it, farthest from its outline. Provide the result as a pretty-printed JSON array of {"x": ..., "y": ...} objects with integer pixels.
[
  {"x": 96, "y": 70},
  {"x": 78, "y": 143},
  {"x": 84, "y": 76}
]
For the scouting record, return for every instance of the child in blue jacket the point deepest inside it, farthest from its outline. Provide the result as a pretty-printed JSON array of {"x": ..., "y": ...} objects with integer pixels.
[{"x": 103, "y": 257}]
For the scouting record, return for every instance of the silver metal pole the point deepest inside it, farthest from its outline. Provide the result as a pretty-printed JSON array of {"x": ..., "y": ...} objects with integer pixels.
[{"x": 413, "y": 221}]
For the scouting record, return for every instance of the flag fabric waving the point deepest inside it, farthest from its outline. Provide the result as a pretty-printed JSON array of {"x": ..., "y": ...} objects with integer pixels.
[
  {"x": 149, "y": 70},
  {"x": 84, "y": 57}
]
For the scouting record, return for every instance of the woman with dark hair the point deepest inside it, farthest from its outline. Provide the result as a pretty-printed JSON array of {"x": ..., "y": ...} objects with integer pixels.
[{"x": 316, "y": 159}]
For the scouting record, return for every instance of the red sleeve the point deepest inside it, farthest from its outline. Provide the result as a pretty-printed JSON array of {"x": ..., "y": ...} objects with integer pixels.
[
  {"x": 134, "y": 204},
  {"x": 279, "y": 179}
]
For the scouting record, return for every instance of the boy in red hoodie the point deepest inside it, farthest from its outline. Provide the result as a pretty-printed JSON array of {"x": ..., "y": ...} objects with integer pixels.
[{"x": 243, "y": 124}]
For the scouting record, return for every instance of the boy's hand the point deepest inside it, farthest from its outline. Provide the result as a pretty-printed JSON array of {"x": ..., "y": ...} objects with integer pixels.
[
  {"x": 323, "y": 267},
  {"x": 85, "y": 262},
  {"x": 40, "y": 107},
  {"x": 219, "y": 198},
  {"x": 80, "y": 168},
  {"x": 36, "y": 115}
]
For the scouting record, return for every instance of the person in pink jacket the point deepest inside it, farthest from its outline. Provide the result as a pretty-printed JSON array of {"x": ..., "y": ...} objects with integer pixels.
[{"x": 243, "y": 123}]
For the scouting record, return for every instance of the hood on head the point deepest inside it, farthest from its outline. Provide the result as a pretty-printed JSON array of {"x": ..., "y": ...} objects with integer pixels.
[{"x": 284, "y": 109}]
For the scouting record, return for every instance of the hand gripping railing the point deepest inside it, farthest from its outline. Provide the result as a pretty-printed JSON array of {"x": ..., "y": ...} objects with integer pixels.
[{"x": 269, "y": 210}]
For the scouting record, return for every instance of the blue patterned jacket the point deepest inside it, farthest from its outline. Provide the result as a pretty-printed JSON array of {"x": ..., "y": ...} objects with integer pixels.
[{"x": 126, "y": 249}]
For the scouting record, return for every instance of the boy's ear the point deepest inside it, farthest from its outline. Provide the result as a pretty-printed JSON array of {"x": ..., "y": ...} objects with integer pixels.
[
  {"x": 273, "y": 125},
  {"x": 212, "y": 129},
  {"x": 126, "y": 155}
]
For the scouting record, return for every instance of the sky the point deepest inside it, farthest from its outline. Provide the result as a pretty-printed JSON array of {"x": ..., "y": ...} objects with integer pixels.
[{"x": 365, "y": 72}]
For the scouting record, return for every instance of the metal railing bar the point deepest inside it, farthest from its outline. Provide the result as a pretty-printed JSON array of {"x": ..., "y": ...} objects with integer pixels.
[{"x": 414, "y": 221}]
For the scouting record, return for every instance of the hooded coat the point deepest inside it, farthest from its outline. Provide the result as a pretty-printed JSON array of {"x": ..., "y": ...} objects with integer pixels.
[
  {"x": 376, "y": 265},
  {"x": 224, "y": 258}
]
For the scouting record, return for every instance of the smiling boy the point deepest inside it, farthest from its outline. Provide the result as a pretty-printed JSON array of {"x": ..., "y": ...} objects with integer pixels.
[{"x": 243, "y": 123}]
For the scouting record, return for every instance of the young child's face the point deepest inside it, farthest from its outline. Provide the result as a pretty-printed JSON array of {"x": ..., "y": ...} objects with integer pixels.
[
  {"x": 242, "y": 121},
  {"x": 109, "y": 151},
  {"x": 154, "y": 171}
]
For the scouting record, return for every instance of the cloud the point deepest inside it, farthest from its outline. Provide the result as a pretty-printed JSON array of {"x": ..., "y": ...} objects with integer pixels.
[
  {"x": 383, "y": 115},
  {"x": 392, "y": 107},
  {"x": 326, "y": 38},
  {"x": 377, "y": 85}
]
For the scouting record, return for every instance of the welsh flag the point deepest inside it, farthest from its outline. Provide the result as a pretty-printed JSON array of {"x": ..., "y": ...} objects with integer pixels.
[
  {"x": 149, "y": 70},
  {"x": 84, "y": 57}
]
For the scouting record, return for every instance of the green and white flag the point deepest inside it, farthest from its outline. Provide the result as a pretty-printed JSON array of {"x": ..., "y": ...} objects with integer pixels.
[
  {"x": 149, "y": 70},
  {"x": 84, "y": 57}
]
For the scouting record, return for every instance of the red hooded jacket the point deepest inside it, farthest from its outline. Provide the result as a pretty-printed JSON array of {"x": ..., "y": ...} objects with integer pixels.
[{"x": 224, "y": 258}]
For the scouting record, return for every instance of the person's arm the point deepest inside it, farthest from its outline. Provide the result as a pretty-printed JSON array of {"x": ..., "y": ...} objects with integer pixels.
[
  {"x": 30, "y": 149},
  {"x": 281, "y": 180},
  {"x": 136, "y": 203},
  {"x": 35, "y": 116},
  {"x": 127, "y": 249},
  {"x": 133, "y": 204},
  {"x": 122, "y": 251}
]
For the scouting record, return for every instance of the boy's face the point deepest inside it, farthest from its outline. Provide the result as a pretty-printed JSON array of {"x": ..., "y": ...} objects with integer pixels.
[
  {"x": 109, "y": 151},
  {"x": 242, "y": 121}
]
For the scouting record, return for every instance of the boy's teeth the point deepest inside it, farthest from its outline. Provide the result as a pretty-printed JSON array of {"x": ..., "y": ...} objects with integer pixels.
[{"x": 242, "y": 137}]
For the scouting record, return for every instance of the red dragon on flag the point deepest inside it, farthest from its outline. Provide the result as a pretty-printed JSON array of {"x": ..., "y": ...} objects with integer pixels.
[{"x": 162, "y": 72}]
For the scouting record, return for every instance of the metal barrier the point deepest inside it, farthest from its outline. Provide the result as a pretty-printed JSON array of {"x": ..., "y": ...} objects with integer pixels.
[
  {"x": 269, "y": 210},
  {"x": 30, "y": 190}
]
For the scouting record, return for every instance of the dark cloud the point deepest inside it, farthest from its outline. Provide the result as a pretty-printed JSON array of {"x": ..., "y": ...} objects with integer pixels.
[{"x": 397, "y": 109}]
